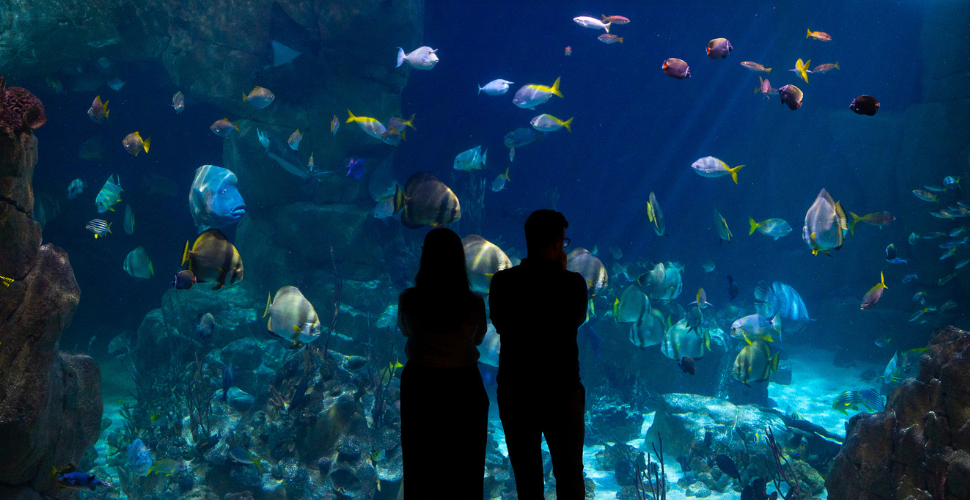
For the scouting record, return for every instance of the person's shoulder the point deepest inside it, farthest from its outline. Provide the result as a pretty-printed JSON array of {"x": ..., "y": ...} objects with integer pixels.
[{"x": 407, "y": 295}]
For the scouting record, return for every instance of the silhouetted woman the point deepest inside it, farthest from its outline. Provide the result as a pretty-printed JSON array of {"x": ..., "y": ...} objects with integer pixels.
[{"x": 444, "y": 407}]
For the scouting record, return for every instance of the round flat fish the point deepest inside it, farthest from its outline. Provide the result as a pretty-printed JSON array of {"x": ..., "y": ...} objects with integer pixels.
[
  {"x": 482, "y": 260},
  {"x": 292, "y": 317},
  {"x": 582, "y": 261},
  {"x": 864, "y": 105}
]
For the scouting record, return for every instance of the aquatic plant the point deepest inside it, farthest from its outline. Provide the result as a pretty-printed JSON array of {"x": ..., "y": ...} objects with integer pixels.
[
  {"x": 380, "y": 370},
  {"x": 656, "y": 485},
  {"x": 199, "y": 401},
  {"x": 337, "y": 285},
  {"x": 783, "y": 472}
]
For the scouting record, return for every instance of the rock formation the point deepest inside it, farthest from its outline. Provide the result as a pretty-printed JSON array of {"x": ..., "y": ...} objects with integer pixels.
[
  {"x": 50, "y": 401},
  {"x": 919, "y": 447}
]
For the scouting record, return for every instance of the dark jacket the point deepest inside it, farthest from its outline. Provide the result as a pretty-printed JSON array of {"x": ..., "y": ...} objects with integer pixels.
[{"x": 537, "y": 309}]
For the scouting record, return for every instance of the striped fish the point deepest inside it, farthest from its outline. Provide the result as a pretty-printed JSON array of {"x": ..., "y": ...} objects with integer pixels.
[
  {"x": 99, "y": 227},
  {"x": 872, "y": 399}
]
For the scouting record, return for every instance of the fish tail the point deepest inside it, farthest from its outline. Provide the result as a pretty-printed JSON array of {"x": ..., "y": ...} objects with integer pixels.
[
  {"x": 809, "y": 35},
  {"x": 607, "y": 28},
  {"x": 754, "y": 225},
  {"x": 147, "y": 143},
  {"x": 400, "y": 57},
  {"x": 734, "y": 172},
  {"x": 507, "y": 174},
  {"x": 767, "y": 70},
  {"x": 555, "y": 85},
  {"x": 267, "y": 304},
  {"x": 351, "y": 118},
  {"x": 837, "y": 65},
  {"x": 566, "y": 124},
  {"x": 398, "y": 199},
  {"x": 882, "y": 280},
  {"x": 855, "y": 220},
  {"x": 621, "y": 39},
  {"x": 484, "y": 157},
  {"x": 185, "y": 254},
  {"x": 479, "y": 89},
  {"x": 774, "y": 363},
  {"x": 604, "y": 17},
  {"x": 244, "y": 97}
]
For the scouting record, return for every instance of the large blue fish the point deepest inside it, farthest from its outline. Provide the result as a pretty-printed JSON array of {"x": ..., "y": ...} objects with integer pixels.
[
  {"x": 139, "y": 459},
  {"x": 214, "y": 200},
  {"x": 784, "y": 304}
]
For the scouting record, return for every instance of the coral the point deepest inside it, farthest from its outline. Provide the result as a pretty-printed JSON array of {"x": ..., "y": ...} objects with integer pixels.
[
  {"x": 918, "y": 447},
  {"x": 20, "y": 110}
]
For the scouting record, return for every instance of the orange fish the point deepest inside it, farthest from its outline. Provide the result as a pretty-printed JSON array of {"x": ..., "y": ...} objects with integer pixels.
[
  {"x": 825, "y": 68},
  {"x": 819, "y": 35},
  {"x": 615, "y": 20}
]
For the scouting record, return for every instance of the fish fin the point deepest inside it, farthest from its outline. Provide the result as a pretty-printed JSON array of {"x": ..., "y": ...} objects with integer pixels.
[
  {"x": 399, "y": 199},
  {"x": 268, "y": 302},
  {"x": 855, "y": 220},
  {"x": 353, "y": 118},
  {"x": 767, "y": 70},
  {"x": 607, "y": 28},
  {"x": 244, "y": 97},
  {"x": 838, "y": 68},
  {"x": 621, "y": 39},
  {"x": 147, "y": 143},
  {"x": 768, "y": 338},
  {"x": 269, "y": 326},
  {"x": 507, "y": 174},
  {"x": 567, "y": 122},
  {"x": 809, "y": 35},
  {"x": 604, "y": 17},
  {"x": 185, "y": 255},
  {"x": 754, "y": 225},
  {"x": 774, "y": 363},
  {"x": 400, "y": 57},
  {"x": 882, "y": 279},
  {"x": 151, "y": 268},
  {"x": 479, "y": 90},
  {"x": 734, "y": 172},
  {"x": 746, "y": 339},
  {"x": 296, "y": 329},
  {"x": 555, "y": 86}
]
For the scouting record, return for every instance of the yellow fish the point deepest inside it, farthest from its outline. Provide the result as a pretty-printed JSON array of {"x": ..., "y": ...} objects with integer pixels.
[
  {"x": 6, "y": 281},
  {"x": 802, "y": 69}
]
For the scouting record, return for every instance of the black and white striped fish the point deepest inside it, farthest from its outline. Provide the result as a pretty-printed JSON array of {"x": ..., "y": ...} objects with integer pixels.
[{"x": 99, "y": 227}]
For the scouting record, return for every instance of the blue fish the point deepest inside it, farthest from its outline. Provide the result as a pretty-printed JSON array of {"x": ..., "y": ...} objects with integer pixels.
[
  {"x": 214, "y": 200},
  {"x": 783, "y": 303},
  {"x": 732, "y": 287},
  {"x": 226, "y": 382},
  {"x": 79, "y": 480},
  {"x": 951, "y": 244},
  {"x": 139, "y": 459},
  {"x": 355, "y": 169}
]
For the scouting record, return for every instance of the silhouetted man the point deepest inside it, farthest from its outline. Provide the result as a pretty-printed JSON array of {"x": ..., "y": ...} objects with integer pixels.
[{"x": 537, "y": 308}]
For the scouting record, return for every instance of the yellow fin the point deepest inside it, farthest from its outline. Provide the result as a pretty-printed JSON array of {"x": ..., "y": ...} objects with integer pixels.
[
  {"x": 555, "y": 85},
  {"x": 882, "y": 280},
  {"x": 754, "y": 225},
  {"x": 268, "y": 302},
  {"x": 566, "y": 124},
  {"x": 185, "y": 254},
  {"x": 734, "y": 172}
]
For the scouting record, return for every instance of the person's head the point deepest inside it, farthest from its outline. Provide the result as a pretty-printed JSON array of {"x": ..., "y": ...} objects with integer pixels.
[
  {"x": 442, "y": 262},
  {"x": 545, "y": 231}
]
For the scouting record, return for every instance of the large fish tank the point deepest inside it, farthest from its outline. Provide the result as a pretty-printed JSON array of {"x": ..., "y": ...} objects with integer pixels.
[{"x": 322, "y": 420}]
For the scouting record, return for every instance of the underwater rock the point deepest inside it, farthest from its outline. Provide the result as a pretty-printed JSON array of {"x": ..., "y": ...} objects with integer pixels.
[
  {"x": 613, "y": 423},
  {"x": 50, "y": 401},
  {"x": 20, "y": 110},
  {"x": 919, "y": 445},
  {"x": 243, "y": 354},
  {"x": 699, "y": 490},
  {"x": 238, "y": 399}
]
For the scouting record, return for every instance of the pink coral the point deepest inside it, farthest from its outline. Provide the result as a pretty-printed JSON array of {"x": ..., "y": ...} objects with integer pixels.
[{"x": 19, "y": 109}]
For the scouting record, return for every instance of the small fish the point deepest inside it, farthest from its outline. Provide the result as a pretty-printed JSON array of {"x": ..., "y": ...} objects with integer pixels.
[
  {"x": 942, "y": 214},
  {"x": 946, "y": 305},
  {"x": 223, "y": 127},
  {"x": 765, "y": 88},
  {"x": 72, "y": 479},
  {"x": 792, "y": 96},
  {"x": 294, "y": 140},
  {"x": 55, "y": 84},
  {"x": 925, "y": 195},
  {"x": 472, "y": 159},
  {"x": 98, "y": 111},
  {"x": 920, "y": 297},
  {"x": 384, "y": 208},
  {"x": 721, "y": 225},
  {"x": 129, "y": 220},
  {"x": 334, "y": 125},
  {"x": 6, "y": 281},
  {"x": 178, "y": 102},
  {"x": 226, "y": 382},
  {"x": 912, "y": 277},
  {"x": 958, "y": 231},
  {"x": 946, "y": 279},
  {"x": 532, "y": 95},
  {"x": 776, "y": 228},
  {"x": 166, "y": 466},
  {"x": 495, "y": 87},
  {"x": 75, "y": 188},
  {"x": 961, "y": 264},
  {"x": 825, "y": 68},
  {"x": 951, "y": 244},
  {"x": 949, "y": 253},
  {"x": 874, "y": 294},
  {"x": 878, "y": 219},
  {"x": 355, "y": 169},
  {"x": 420, "y": 58},
  {"x": 883, "y": 341},
  {"x": 259, "y": 97},
  {"x": 615, "y": 19},
  {"x": 138, "y": 265},
  {"x": 937, "y": 189},
  {"x": 700, "y": 299},
  {"x": 549, "y": 123},
  {"x": 848, "y": 400},
  {"x": 115, "y": 84},
  {"x": 913, "y": 238},
  {"x": 378, "y": 455},
  {"x": 569, "y": 51},
  {"x": 732, "y": 287},
  {"x": 245, "y": 457},
  {"x": 676, "y": 68},
  {"x": 499, "y": 183},
  {"x": 719, "y": 48},
  {"x": 371, "y": 126},
  {"x": 864, "y": 105},
  {"x": 610, "y": 39},
  {"x": 933, "y": 235},
  {"x": 183, "y": 280},
  {"x": 727, "y": 466},
  {"x": 872, "y": 400},
  {"x": 99, "y": 227},
  {"x": 802, "y": 69},
  {"x": 655, "y": 215},
  {"x": 951, "y": 181},
  {"x": 708, "y": 265},
  {"x": 919, "y": 314},
  {"x": 753, "y": 66},
  {"x": 206, "y": 325},
  {"x": 891, "y": 255},
  {"x": 592, "y": 23},
  {"x": 819, "y": 35},
  {"x": 712, "y": 167},
  {"x": 511, "y": 154},
  {"x": 688, "y": 365}
]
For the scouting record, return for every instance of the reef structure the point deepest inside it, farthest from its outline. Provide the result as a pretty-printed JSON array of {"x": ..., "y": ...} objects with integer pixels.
[
  {"x": 50, "y": 401},
  {"x": 919, "y": 447}
]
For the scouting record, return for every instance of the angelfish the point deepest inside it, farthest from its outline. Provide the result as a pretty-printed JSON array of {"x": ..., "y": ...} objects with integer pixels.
[{"x": 292, "y": 317}]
